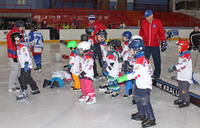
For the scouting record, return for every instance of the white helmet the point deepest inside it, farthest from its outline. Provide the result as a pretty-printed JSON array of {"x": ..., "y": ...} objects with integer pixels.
[
  {"x": 136, "y": 37},
  {"x": 84, "y": 45}
]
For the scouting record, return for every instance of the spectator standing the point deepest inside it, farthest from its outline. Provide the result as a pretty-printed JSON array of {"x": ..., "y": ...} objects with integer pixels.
[
  {"x": 97, "y": 26},
  {"x": 3, "y": 25},
  {"x": 65, "y": 26},
  {"x": 194, "y": 39},
  {"x": 59, "y": 27},
  {"x": 122, "y": 25},
  {"x": 44, "y": 24},
  {"x": 12, "y": 24},
  {"x": 34, "y": 23},
  {"x": 76, "y": 23},
  {"x": 9, "y": 25},
  {"x": 152, "y": 32}
]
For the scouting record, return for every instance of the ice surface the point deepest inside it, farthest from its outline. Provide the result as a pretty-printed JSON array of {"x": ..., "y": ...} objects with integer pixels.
[{"x": 60, "y": 108}]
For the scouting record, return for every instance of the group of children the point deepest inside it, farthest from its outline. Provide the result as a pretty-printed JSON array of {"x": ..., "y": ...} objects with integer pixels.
[{"x": 137, "y": 70}]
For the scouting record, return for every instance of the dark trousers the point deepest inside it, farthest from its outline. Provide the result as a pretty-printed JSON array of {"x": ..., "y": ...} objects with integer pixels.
[
  {"x": 95, "y": 69},
  {"x": 142, "y": 99},
  {"x": 98, "y": 53},
  {"x": 155, "y": 52},
  {"x": 25, "y": 79},
  {"x": 183, "y": 87}
]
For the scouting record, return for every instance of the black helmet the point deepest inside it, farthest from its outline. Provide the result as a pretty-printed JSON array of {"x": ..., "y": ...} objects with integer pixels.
[
  {"x": 118, "y": 42},
  {"x": 19, "y": 23},
  {"x": 84, "y": 37},
  {"x": 112, "y": 44},
  {"x": 34, "y": 27},
  {"x": 102, "y": 32},
  {"x": 16, "y": 37},
  {"x": 89, "y": 30}
]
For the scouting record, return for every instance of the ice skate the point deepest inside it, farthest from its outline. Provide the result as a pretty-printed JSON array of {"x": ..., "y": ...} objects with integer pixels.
[
  {"x": 33, "y": 92},
  {"x": 133, "y": 101},
  {"x": 177, "y": 102},
  {"x": 148, "y": 123},
  {"x": 108, "y": 92},
  {"x": 38, "y": 69},
  {"x": 127, "y": 96},
  {"x": 16, "y": 89},
  {"x": 137, "y": 117},
  {"x": 103, "y": 88},
  {"x": 46, "y": 83},
  {"x": 23, "y": 95},
  {"x": 184, "y": 104},
  {"x": 91, "y": 100},
  {"x": 115, "y": 95},
  {"x": 76, "y": 89},
  {"x": 83, "y": 98},
  {"x": 54, "y": 84}
]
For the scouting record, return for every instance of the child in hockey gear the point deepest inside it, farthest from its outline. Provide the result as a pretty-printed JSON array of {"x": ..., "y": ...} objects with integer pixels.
[
  {"x": 184, "y": 73},
  {"x": 58, "y": 79},
  {"x": 120, "y": 60},
  {"x": 112, "y": 69},
  {"x": 90, "y": 31},
  {"x": 37, "y": 45},
  {"x": 142, "y": 74},
  {"x": 74, "y": 64},
  {"x": 126, "y": 38},
  {"x": 26, "y": 64},
  {"x": 87, "y": 74}
]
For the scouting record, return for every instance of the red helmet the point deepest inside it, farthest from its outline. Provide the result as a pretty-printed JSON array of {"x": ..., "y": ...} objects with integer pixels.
[{"x": 184, "y": 44}]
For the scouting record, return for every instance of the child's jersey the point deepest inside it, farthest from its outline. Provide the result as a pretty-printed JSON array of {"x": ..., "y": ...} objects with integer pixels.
[
  {"x": 24, "y": 56},
  {"x": 63, "y": 74},
  {"x": 87, "y": 62},
  {"x": 112, "y": 61},
  {"x": 120, "y": 63},
  {"x": 184, "y": 67},
  {"x": 90, "y": 40},
  {"x": 74, "y": 62},
  {"x": 125, "y": 53},
  {"x": 142, "y": 72},
  {"x": 36, "y": 41},
  {"x": 103, "y": 49}
]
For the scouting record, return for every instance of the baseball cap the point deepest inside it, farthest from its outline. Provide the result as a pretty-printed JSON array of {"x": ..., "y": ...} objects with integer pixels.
[{"x": 148, "y": 13}]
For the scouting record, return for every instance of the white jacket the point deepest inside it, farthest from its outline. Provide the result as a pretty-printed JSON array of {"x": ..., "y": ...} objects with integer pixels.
[
  {"x": 24, "y": 56},
  {"x": 142, "y": 73},
  {"x": 184, "y": 67},
  {"x": 113, "y": 58},
  {"x": 63, "y": 74},
  {"x": 75, "y": 63}
]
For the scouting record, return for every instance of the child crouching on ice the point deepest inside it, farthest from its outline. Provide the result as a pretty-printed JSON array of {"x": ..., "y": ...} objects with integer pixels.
[
  {"x": 142, "y": 74},
  {"x": 25, "y": 61},
  {"x": 86, "y": 74},
  {"x": 184, "y": 73}
]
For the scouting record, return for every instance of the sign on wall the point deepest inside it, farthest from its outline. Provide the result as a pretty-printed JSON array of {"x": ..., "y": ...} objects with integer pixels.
[{"x": 21, "y": 1}]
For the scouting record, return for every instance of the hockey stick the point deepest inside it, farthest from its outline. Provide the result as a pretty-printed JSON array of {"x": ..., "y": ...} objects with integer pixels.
[{"x": 63, "y": 42}]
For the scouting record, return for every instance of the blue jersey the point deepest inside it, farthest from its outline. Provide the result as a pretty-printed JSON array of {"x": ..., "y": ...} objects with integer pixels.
[{"x": 36, "y": 41}]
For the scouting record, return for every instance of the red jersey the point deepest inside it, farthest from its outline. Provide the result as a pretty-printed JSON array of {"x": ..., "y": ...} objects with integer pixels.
[
  {"x": 152, "y": 33},
  {"x": 97, "y": 26}
]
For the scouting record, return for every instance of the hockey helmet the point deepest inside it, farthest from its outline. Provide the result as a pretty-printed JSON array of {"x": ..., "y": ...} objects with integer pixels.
[
  {"x": 16, "y": 37},
  {"x": 72, "y": 44},
  {"x": 112, "y": 44},
  {"x": 184, "y": 44},
  {"x": 84, "y": 37},
  {"x": 137, "y": 45},
  {"x": 135, "y": 37},
  {"x": 19, "y": 23},
  {"x": 34, "y": 27},
  {"x": 118, "y": 42},
  {"x": 127, "y": 34},
  {"x": 102, "y": 33},
  {"x": 84, "y": 45},
  {"x": 89, "y": 30}
]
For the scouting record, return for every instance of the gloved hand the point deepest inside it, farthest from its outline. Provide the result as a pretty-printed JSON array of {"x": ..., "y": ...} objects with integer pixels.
[
  {"x": 163, "y": 46},
  {"x": 26, "y": 68},
  {"x": 171, "y": 69},
  {"x": 15, "y": 60},
  {"x": 122, "y": 79},
  {"x": 120, "y": 59},
  {"x": 128, "y": 67},
  {"x": 82, "y": 74},
  {"x": 105, "y": 73}
]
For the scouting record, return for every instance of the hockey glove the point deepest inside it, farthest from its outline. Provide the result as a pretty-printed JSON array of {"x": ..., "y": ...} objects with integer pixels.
[
  {"x": 15, "y": 60},
  {"x": 122, "y": 79},
  {"x": 105, "y": 73},
  {"x": 26, "y": 68},
  {"x": 163, "y": 46},
  {"x": 120, "y": 59},
  {"x": 82, "y": 74},
  {"x": 111, "y": 66},
  {"x": 171, "y": 69}
]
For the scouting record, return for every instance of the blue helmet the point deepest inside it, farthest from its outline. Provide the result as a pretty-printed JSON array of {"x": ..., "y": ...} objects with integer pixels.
[
  {"x": 127, "y": 34},
  {"x": 137, "y": 44}
]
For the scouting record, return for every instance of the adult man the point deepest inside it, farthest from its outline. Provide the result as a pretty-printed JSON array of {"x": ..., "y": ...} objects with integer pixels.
[
  {"x": 12, "y": 55},
  {"x": 152, "y": 32},
  {"x": 97, "y": 26},
  {"x": 194, "y": 39}
]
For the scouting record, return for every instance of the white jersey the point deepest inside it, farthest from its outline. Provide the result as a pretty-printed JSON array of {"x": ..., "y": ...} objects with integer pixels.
[
  {"x": 184, "y": 67},
  {"x": 63, "y": 74},
  {"x": 36, "y": 41},
  {"x": 125, "y": 53},
  {"x": 112, "y": 58},
  {"x": 24, "y": 56},
  {"x": 142, "y": 72},
  {"x": 87, "y": 65},
  {"x": 103, "y": 49},
  {"x": 74, "y": 62}
]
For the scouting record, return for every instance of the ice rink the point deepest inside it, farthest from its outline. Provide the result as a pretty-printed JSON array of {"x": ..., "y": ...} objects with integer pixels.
[{"x": 60, "y": 108}]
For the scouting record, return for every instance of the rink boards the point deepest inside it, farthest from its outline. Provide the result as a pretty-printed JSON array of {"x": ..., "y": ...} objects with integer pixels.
[{"x": 167, "y": 87}]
